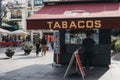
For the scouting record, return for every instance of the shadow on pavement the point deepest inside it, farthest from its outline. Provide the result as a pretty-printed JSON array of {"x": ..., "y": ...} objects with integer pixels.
[
  {"x": 34, "y": 72},
  {"x": 90, "y": 74},
  {"x": 27, "y": 57},
  {"x": 47, "y": 72},
  {"x": 4, "y": 58},
  {"x": 20, "y": 55}
]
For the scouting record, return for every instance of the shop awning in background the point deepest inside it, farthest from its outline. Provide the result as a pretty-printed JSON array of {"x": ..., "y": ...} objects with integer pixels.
[
  {"x": 5, "y": 25},
  {"x": 65, "y": 16},
  {"x": 3, "y": 31},
  {"x": 19, "y": 32}
]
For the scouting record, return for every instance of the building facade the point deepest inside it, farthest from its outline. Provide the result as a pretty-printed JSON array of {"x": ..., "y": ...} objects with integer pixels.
[
  {"x": 0, "y": 12},
  {"x": 14, "y": 11},
  {"x": 32, "y": 7},
  {"x": 18, "y": 11}
]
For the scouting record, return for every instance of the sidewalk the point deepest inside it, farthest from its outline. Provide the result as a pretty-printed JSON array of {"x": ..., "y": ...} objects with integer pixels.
[{"x": 30, "y": 67}]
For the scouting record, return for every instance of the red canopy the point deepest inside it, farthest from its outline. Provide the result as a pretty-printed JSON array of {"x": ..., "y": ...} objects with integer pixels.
[{"x": 107, "y": 13}]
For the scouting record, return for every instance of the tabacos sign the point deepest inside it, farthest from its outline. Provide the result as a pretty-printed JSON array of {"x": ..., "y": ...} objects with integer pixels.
[{"x": 78, "y": 24}]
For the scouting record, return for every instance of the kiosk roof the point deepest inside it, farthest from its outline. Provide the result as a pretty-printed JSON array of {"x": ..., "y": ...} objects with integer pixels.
[
  {"x": 91, "y": 11},
  {"x": 78, "y": 11}
]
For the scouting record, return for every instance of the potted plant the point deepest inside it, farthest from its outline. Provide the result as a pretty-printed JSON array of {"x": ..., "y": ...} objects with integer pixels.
[
  {"x": 27, "y": 47},
  {"x": 10, "y": 52}
]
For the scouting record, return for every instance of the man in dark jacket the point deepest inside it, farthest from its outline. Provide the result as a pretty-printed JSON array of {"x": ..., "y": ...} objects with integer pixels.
[{"x": 88, "y": 44}]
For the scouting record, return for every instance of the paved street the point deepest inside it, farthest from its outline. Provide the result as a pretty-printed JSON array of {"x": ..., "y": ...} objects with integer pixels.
[{"x": 30, "y": 67}]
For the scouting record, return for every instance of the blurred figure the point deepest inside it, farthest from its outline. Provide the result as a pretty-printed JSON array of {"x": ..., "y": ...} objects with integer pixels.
[
  {"x": 44, "y": 47},
  {"x": 7, "y": 39},
  {"x": 88, "y": 44},
  {"x": 37, "y": 43}
]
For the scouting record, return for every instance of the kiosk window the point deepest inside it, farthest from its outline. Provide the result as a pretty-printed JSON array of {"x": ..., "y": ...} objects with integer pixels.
[
  {"x": 76, "y": 37},
  {"x": 95, "y": 35}
]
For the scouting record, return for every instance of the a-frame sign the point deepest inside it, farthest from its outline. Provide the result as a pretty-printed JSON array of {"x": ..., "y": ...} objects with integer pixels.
[{"x": 78, "y": 63}]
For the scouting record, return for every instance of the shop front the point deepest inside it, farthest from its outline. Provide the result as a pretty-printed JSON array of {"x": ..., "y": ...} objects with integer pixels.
[{"x": 70, "y": 22}]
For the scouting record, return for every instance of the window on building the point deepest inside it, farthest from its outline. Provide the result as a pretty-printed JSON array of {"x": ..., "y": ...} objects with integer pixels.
[
  {"x": 16, "y": 14},
  {"x": 29, "y": 13},
  {"x": 19, "y": 14},
  {"x": 29, "y": 3},
  {"x": 37, "y": 2},
  {"x": 13, "y": 14}
]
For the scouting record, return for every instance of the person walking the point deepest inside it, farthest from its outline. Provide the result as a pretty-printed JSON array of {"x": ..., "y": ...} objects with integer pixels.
[
  {"x": 87, "y": 45},
  {"x": 37, "y": 44},
  {"x": 44, "y": 47}
]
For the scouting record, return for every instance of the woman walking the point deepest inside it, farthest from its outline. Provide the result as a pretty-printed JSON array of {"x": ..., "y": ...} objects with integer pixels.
[{"x": 44, "y": 47}]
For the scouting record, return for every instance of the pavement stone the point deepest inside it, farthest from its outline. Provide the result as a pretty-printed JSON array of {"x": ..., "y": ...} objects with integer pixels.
[{"x": 30, "y": 67}]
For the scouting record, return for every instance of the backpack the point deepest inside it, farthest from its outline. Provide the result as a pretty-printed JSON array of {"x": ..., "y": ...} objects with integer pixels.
[{"x": 43, "y": 41}]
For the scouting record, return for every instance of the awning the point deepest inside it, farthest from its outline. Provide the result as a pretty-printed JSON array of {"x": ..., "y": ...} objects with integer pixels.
[
  {"x": 5, "y": 25},
  {"x": 76, "y": 16},
  {"x": 3, "y": 31}
]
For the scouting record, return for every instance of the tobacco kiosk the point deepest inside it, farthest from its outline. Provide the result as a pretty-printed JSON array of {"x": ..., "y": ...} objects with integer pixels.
[{"x": 70, "y": 21}]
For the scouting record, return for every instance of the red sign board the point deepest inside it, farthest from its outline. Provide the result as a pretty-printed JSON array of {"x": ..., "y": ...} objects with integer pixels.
[
  {"x": 75, "y": 23},
  {"x": 79, "y": 64}
]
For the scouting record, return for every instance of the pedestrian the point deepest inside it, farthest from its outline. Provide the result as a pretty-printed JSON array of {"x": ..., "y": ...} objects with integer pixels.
[
  {"x": 37, "y": 44},
  {"x": 44, "y": 47},
  {"x": 88, "y": 44}
]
